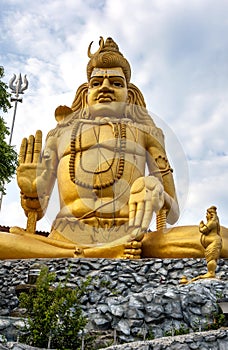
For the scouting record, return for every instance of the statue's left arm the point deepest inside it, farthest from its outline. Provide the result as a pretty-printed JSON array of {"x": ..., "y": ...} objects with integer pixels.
[
  {"x": 154, "y": 192},
  {"x": 159, "y": 167}
]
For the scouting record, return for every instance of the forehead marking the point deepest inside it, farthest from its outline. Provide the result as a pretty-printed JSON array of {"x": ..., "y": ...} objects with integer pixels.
[{"x": 107, "y": 72}]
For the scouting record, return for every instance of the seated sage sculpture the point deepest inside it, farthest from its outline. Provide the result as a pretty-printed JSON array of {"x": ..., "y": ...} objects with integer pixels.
[{"x": 99, "y": 153}]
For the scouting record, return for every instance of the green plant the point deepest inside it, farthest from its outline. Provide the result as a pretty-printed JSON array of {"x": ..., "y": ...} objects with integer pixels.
[
  {"x": 177, "y": 331},
  {"x": 3, "y": 339},
  {"x": 146, "y": 334},
  {"x": 150, "y": 334},
  {"x": 215, "y": 320},
  {"x": 54, "y": 313},
  {"x": 8, "y": 155},
  {"x": 219, "y": 295},
  {"x": 218, "y": 321}
]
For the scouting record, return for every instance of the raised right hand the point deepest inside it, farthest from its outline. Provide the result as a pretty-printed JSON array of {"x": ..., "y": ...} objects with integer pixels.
[{"x": 30, "y": 167}]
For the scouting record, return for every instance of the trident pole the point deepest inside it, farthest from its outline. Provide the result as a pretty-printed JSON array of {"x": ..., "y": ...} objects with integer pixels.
[
  {"x": 13, "y": 121},
  {"x": 17, "y": 88}
]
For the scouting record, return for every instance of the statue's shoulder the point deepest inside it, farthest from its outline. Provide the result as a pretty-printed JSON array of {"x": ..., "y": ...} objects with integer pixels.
[
  {"x": 150, "y": 130},
  {"x": 64, "y": 116}
]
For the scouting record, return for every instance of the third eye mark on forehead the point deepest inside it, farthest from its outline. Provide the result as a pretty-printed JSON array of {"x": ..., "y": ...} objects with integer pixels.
[{"x": 106, "y": 73}]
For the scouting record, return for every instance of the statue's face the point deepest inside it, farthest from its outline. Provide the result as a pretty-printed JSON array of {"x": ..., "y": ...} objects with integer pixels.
[{"x": 107, "y": 92}]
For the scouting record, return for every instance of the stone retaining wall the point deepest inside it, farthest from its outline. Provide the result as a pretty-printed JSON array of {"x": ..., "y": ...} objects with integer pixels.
[
  {"x": 136, "y": 299},
  {"x": 213, "y": 340}
]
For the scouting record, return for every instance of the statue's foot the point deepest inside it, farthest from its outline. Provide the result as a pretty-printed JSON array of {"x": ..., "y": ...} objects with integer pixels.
[
  {"x": 127, "y": 247},
  {"x": 132, "y": 250},
  {"x": 206, "y": 275}
]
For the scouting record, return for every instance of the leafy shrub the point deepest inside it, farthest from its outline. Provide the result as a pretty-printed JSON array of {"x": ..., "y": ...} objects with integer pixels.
[{"x": 54, "y": 313}]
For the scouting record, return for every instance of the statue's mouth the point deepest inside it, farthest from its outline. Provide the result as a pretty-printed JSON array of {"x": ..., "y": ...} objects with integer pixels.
[{"x": 104, "y": 98}]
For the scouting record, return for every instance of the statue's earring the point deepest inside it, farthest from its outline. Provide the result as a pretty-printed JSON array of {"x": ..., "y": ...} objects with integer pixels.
[
  {"x": 128, "y": 107},
  {"x": 85, "y": 114},
  {"x": 128, "y": 99}
]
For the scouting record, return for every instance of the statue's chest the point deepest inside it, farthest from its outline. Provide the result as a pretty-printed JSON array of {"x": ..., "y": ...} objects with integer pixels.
[
  {"x": 89, "y": 139},
  {"x": 97, "y": 136}
]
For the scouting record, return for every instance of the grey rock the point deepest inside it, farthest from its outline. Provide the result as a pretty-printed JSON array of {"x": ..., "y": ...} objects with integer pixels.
[
  {"x": 4, "y": 312},
  {"x": 144, "y": 269},
  {"x": 223, "y": 345},
  {"x": 123, "y": 326},
  {"x": 157, "y": 266},
  {"x": 135, "y": 302},
  {"x": 4, "y": 324},
  {"x": 154, "y": 310},
  {"x": 222, "y": 334},
  {"x": 194, "y": 346},
  {"x": 210, "y": 338},
  {"x": 139, "y": 279},
  {"x": 178, "y": 265},
  {"x": 102, "y": 322},
  {"x": 116, "y": 310},
  {"x": 209, "y": 308},
  {"x": 173, "y": 309},
  {"x": 197, "y": 298},
  {"x": 133, "y": 313},
  {"x": 198, "y": 338},
  {"x": 195, "y": 310},
  {"x": 163, "y": 271},
  {"x": 157, "y": 347},
  {"x": 103, "y": 308},
  {"x": 171, "y": 294}
]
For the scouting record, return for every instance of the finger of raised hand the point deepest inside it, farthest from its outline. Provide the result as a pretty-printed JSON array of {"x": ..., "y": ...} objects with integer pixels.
[
  {"x": 29, "y": 151},
  {"x": 23, "y": 148},
  {"x": 37, "y": 146}
]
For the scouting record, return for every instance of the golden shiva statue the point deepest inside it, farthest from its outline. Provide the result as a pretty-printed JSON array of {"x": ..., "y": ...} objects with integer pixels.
[{"x": 99, "y": 153}]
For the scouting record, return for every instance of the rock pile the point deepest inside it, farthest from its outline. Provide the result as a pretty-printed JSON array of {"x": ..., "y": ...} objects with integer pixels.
[{"x": 136, "y": 299}]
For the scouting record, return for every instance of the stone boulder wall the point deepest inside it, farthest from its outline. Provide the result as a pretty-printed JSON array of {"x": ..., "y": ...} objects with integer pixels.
[{"x": 136, "y": 299}]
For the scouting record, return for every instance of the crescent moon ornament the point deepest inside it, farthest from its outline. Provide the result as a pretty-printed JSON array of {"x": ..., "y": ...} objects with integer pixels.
[{"x": 101, "y": 45}]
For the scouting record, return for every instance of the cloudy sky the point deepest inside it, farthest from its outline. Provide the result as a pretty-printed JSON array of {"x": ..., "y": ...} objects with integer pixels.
[{"x": 178, "y": 52}]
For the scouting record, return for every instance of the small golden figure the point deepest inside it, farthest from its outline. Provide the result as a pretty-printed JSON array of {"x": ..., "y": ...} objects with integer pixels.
[{"x": 211, "y": 241}]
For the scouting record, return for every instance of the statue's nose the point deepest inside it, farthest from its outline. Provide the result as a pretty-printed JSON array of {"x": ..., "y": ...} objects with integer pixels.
[{"x": 106, "y": 86}]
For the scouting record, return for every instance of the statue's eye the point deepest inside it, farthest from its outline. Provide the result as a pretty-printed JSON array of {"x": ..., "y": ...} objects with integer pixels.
[
  {"x": 95, "y": 83},
  {"x": 117, "y": 84}
]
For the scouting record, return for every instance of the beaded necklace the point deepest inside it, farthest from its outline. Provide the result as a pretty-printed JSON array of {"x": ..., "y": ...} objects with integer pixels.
[{"x": 119, "y": 131}]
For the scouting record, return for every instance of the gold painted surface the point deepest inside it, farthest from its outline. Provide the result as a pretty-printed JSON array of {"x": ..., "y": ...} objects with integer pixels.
[
  {"x": 179, "y": 242},
  {"x": 98, "y": 153},
  {"x": 211, "y": 241}
]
